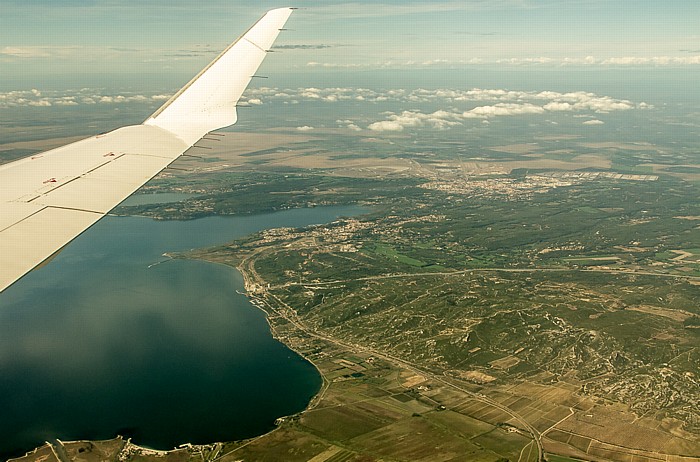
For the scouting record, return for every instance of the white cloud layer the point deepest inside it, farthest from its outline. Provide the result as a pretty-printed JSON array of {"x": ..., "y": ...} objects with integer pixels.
[
  {"x": 348, "y": 124},
  {"x": 640, "y": 61},
  {"x": 37, "y": 51},
  {"x": 37, "y": 98},
  {"x": 440, "y": 120},
  {"x": 503, "y": 103},
  {"x": 502, "y": 109},
  {"x": 507, "y": 102},
  {"x": 458, "y": 106}
]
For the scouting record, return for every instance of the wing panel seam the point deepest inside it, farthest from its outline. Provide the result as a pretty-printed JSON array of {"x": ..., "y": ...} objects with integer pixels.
[
  {"x": 255, "y": 45},
  {"x": 73, "y": 209},
  {"x": 24, "y": 218}
]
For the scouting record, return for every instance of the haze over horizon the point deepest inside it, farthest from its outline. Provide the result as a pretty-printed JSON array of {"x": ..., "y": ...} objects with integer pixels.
[{"x": 85, "y": 38}]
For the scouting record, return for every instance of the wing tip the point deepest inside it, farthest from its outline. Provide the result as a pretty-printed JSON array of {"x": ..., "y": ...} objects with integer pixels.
[{"x": 286, "y": 10}]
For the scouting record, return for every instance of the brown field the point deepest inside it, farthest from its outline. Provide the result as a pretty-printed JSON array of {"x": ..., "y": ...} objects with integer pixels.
[
  {"x": 340, "y": 423},
  {"x": 94, "y": 451},
  {"x": 557, "y": 137},
  {"x": 484, "y": 412},
  {"x": 681, "y": 459},
  {"x": 624, "y": 146},
  {"x": 562, "y": 437},
  {"x": 661, "y": 168},
  {"x": 412, "y": 381},
  {"x": 578, "y": 162},
  {"x": 508, "y": 443},
  {"x": 406, "y": 440},
  {"x": 475, "y": 377},
  {"x": 519, "y": 403},
  {"x": 674, "y": 315},
  {"x": 332, "y": 454},
  {"x": 609, "y": 428},
  {"x": 463, "y": 425},
  {"x": 505, "y": 363},
  {"x": 523, "y": 148},
  {"x": 276, "y": 446},
  {"x": 562, "y": 449},
  {"x": 579, "y": 441},
  {"x": 448, "y": 397},
  {"x": 623, "y": 454},
  {"x": 41, "y": 454}
]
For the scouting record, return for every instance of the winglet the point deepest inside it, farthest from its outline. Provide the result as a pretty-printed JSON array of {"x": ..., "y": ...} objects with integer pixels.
[{"x": 208, "y": 101}]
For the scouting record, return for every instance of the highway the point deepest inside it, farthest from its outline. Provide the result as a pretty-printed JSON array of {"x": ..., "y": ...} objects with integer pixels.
[{"x": 246, "y": 268}]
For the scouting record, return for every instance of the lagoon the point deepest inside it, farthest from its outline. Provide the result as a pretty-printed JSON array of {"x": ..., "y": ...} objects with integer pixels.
[{"x": 103, "y": 342}]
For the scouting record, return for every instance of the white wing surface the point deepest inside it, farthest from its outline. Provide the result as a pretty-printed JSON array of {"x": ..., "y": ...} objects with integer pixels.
[{"x": 48, "y": 199}]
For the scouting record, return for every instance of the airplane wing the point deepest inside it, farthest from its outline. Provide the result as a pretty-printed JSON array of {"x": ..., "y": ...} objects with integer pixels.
[{"x": 48, "y": 199}]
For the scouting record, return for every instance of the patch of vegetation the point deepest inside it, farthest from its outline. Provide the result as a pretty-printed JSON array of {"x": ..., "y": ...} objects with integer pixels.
[{"x": 578, "y": 283}]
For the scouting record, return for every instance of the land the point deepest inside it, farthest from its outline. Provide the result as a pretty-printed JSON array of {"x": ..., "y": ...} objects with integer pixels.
[{"x": 515, "y": 301}]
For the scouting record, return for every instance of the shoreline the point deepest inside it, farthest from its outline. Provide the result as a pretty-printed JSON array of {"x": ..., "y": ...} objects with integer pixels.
[
  {"x": 438, "y": 395},
  {"x": 129, "y": 448},
  {"x": 428, "y": 397}
]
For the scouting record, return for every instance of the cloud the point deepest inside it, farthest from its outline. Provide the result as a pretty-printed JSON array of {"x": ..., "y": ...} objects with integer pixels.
[
  {"x": 329, "y": 95},
  {"x": 25, "y": 52},
  {"x": 653, "y": 60},
  {"x": 386, "y": 126},
  {"x": 390, "y": 64},
  {"x": 66, "y": 101},
  {"x": 40, "y": 103},
  {"x": 43, "y": 52},
  {"x": 457, "y": 106},
  {"x": 558, "y": 106},
  {"x": 440, "y": 120},
  {"x": 122, "y": 99},
  {"x": 495, "y": 103},
  {"x": 503, "y": 109},
  {"x": 38, "y": 98},
  {"x": 504, "y": 103},
  {"x": 521, "y": 61},
  {"x": 553, "y": 101},
  {"x": 348, "y": 124},
  {"x": 610, "y": 61},
  {"x": 302, "y": 47},
  {"x": 593, "y": 122},
  {"x": 639, "y": 61},
  {"x": 342, "y": 65},
  {"x": 329, "y": 10}
]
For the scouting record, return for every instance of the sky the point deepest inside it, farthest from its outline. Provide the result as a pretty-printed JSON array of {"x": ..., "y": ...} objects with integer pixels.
[
  {"x": 173, "y": 37},
  {"x": 116, "y": 61}
]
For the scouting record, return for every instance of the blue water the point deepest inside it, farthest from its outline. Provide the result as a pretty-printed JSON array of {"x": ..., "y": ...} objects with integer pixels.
[{"x": 97, "y": 343}]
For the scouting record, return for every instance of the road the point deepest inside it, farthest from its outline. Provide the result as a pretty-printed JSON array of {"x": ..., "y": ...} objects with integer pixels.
[
  {"x": 479, "y": 270},
  {"x": 246, "y": 267}
]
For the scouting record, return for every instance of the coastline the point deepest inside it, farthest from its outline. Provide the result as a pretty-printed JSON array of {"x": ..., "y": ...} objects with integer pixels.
[
  {"x": 127, "y": 449},
  {"x": 363, "y": 392},
  {"x": 307, "y": 396}
]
